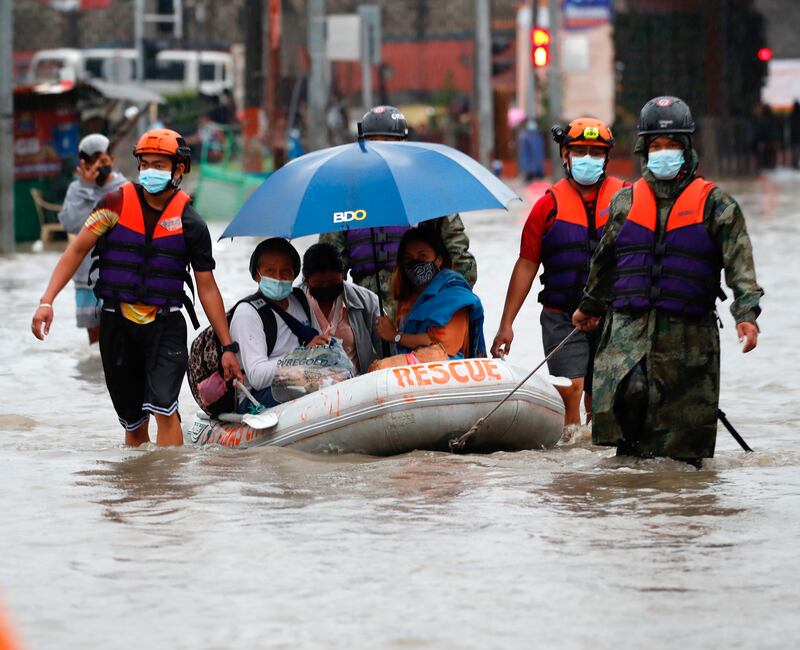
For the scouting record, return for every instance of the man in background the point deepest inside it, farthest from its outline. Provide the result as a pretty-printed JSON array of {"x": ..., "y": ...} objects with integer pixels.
[{"x": 96, "y": 178}]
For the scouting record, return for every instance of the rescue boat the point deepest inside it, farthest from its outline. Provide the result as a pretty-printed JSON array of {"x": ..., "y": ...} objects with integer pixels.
[{"x": 398, "y": 410}]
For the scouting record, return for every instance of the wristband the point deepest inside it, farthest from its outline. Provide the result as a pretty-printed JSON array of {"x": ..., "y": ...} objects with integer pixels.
[{"x": 45, "y": 304}]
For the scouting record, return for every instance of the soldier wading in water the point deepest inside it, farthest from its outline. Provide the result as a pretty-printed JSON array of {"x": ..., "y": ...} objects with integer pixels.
[{"x": 655, "y": 278}]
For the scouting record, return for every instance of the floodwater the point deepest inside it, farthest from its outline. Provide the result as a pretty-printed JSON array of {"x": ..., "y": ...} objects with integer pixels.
[{"x": 109, "y": 547}]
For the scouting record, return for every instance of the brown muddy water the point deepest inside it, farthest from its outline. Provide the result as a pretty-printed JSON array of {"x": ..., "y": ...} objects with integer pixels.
[{"x": 109, "y": 547}]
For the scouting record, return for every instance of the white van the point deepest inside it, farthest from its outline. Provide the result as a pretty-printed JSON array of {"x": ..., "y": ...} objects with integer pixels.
[
  {"x": 206, "y": 71},
  {"x": 56, "y": 65},
  {"x": 116, "y": 65}
]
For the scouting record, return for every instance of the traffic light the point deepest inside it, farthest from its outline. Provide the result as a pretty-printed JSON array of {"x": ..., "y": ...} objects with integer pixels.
[
  {"x": 764, "y": 54},
  {"x": 540, "y": 47},
  {"x": 502, "y": 56}
]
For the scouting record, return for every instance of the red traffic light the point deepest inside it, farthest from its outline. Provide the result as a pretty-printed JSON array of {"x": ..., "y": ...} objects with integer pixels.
[
  {"x": 764, "y": 54},
  {"x": 540, "y": 47},
  {"x": 540, "y": 36}
]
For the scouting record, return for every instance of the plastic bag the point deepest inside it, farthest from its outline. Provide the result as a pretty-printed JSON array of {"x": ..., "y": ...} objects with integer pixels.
[{"x": 306, "y": 370}]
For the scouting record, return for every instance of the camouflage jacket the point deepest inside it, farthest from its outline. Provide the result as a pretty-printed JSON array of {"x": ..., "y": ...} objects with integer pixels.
[
  {"x": 680, "y": 355},
  {"x": 725, "y": 223}
]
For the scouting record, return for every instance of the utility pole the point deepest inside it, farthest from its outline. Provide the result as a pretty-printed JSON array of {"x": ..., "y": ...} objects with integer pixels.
[
  {"x": 483, "y": 80},
  {"x": 317, "y": 86},
  {"x": 6, "y": 129},
  {"x": 555, "y": 83},
  {"x": 138, "y": 37},
  {"x": 530, "y": 100},
  {"x": 370, "y": 49},
  {"x": 276, "y": 118},
  {"x": 254, "y": 82}
]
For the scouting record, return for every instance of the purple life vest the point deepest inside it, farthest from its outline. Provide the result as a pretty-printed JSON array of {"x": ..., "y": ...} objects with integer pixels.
[
  {"x": 359, "y": 245},
  {"x": 568, "y": 246},
  {"x": 677, "y": 271},
  {"x": 134, "y": 269}
]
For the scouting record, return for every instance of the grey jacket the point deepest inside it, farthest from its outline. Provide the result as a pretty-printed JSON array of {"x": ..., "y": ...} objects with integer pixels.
[
  {"x": 79, "y": 202},
  {"x": 362, "y": 314},
  {"x": 362, "y": 310}
]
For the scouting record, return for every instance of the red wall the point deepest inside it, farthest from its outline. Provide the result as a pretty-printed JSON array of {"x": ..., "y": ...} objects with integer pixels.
[{"x": 417, "y": 66}]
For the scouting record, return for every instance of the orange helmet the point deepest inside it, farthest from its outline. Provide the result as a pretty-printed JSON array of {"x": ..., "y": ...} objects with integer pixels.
[
  {"x": 165, "y": 142},
  {"x": 585, "y": 131}
]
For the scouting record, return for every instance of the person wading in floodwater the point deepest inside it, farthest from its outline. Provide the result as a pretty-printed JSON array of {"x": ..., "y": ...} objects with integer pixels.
[
  {"x": 561, "y": 232},
  {"x": 656, "y": 271},
  {"x": 145, "y": 236}
]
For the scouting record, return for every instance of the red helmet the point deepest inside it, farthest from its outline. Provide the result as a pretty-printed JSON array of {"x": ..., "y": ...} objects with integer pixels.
[{"x": 165, "y": 142}]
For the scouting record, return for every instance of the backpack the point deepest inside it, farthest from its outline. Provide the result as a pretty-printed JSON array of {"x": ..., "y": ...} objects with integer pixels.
[{"x": 210, "y": 390}]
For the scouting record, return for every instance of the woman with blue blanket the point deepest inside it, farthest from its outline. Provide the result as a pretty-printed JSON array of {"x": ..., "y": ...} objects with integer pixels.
[{"x": 435, "y": 305}]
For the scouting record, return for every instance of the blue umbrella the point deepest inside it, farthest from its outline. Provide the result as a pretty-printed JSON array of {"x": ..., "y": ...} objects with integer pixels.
[{"x": 367, "y": 185}]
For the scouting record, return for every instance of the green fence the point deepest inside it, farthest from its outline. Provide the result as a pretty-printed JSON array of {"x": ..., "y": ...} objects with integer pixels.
[{"x": 223, "y": 187}]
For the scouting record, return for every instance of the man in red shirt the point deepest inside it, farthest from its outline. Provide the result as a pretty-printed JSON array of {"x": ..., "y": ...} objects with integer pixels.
[{"x": 561, "y": 233}]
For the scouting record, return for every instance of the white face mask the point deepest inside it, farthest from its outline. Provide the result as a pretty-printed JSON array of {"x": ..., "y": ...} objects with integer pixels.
[
  {"x": 665, "y": 164},
  {"x": 154, "y": 181},
  {"x": 275, "y": 289},
  {"x": 587, "y": 169}
]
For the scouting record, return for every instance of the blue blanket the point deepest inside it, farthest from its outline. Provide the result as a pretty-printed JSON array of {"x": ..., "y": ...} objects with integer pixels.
[{"x": 444, "y": 296}]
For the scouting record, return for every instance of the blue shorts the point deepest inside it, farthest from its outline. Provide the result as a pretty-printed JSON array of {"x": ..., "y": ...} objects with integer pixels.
[{"x": 87, "y": 308}]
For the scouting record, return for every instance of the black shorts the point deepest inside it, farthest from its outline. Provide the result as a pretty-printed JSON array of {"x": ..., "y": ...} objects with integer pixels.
[
  {"x": 576, "y": 358},
  {"x": 144, "y": 365}
]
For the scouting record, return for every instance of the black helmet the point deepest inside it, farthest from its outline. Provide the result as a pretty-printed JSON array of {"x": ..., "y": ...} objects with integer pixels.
[
  {"x": 665, "y": 115},
  {"x": 383, "y": 120}
]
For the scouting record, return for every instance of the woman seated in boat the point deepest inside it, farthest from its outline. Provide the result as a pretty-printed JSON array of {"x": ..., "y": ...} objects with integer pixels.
[
  {"x": 436, "y": 308},
  {"x": 273, "y": 321},
  {"x": 342, "y": 309}
]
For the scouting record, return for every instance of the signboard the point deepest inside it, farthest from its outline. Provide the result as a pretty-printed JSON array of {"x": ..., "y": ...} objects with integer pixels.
[
  {"x": 782, "y": 85},
  {"x": 82, "y": 5},
  {"x": 42, "y": 139},
  {"x": 579, "y": 14},
  {"x": 347, "y": 34},
  {"x": 343, "y": 42}
]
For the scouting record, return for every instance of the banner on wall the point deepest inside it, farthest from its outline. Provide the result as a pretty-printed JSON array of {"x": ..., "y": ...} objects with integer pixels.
[
  {"x": 580, "y": 14},
  {"x": 42, "y": 140}
]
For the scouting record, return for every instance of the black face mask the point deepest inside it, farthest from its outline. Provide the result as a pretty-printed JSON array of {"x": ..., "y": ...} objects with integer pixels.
[
  {"x": 102, "y": 175},
  {"x": 326, "y": 295},
  {"x": 420, "y": 273}
]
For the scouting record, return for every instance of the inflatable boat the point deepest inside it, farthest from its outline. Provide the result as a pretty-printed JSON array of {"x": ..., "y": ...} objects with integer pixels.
[{"x": 397, "y": 410}]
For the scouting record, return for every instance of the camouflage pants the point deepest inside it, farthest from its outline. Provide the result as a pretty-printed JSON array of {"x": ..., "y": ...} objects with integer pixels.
[{"x": 656, "y": 385}]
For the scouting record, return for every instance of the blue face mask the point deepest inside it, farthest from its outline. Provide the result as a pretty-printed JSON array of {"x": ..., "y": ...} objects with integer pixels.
[
  {"x": 154, "y": 180},
  {"x": 275, "y": 289},
  {"x": 586, "y": 170},
  {"x": 665, "y": 164}
]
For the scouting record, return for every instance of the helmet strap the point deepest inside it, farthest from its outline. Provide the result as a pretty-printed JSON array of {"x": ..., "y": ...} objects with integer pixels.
[{"x": 175, "y": 182}]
